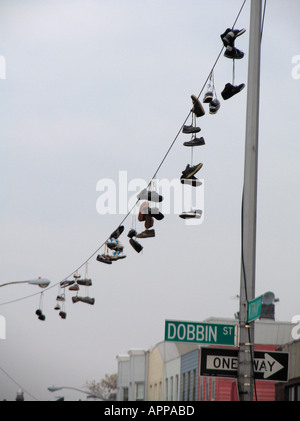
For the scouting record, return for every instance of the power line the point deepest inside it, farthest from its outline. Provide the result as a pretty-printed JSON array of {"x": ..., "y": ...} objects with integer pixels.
[{"x": 18, "y": 384}]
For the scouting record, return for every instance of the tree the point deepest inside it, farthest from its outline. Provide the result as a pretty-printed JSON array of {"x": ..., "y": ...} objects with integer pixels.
[{"x": 107, "y": 387}]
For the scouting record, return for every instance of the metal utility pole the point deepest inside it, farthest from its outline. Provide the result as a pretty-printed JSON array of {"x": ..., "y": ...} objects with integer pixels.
[{"x": 249, "y": 205}]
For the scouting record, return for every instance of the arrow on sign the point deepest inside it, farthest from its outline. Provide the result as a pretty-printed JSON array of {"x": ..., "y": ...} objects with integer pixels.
[{"x": 268, "y": 365}]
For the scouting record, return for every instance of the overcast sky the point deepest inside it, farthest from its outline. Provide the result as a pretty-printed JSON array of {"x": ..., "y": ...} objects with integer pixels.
[{"x": 96, "y": 87}]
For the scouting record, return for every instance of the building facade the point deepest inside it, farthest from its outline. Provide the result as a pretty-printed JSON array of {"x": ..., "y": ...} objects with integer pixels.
[{"x": 170, "y": 371}]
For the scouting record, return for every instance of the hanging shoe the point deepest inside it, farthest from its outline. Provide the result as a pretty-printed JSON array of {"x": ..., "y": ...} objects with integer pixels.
[
  {"x": 74, "y": 287},
  {"x": 86, "y": 300},
  {"x": 214, "y": 106},
  {"x": 190, "y": 129},
  {"x": 143, "y": 211},
  {"x": 114, "y": 244},
  {"x": 85, "y": 282},
  {"x": 192, "y": 214},
  {"x": 65, "y": 284},
  {"x": 197, "y": 109},
  {"x": 116, "y": 234},
  {"x": 132, "y": 233},
  {"x": 151, "y": 196},
  {"x": 104, "y": 258},
  {"x": 155, "y": 213},
  {"x": 208, "y": 97},
  {"x": 136, "y": 245},
  {"x": 195, "y": 142},
  {"x": 146, "y": 234},
  {"x": 118, "y": 256},
  {"x": 234, "y": 53},
  {"x": 63, "y": 314},
  {"x": 60, "y": 298},
  {"x": 147, "y": 212},
  {"x": 190, "y": 171},
  {"x": 229, "y": 36},
  {"x": 57, "y": 307},
  {"x": 193, "y": 181},
  {"x": 231, "y": 90}
]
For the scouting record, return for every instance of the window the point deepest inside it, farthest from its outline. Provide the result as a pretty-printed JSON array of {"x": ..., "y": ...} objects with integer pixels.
[
  {"x": 194, "y": 386},
  {"x": 177, "y": 388},
  {"x": 183, "y": 387},
  {"x": 167, "y": 390},
  {"x": 172, "y": 390},
  {"x": 201, "y": 388},
  {"x": 293, "y": 392},
  {"x": 139, "y": 391},
  {"x": 213, "y": 388},
  {"x": 188, "y": 386},
  {"x": 125, "y": 393},
  {"x": 207, "y": 389}
]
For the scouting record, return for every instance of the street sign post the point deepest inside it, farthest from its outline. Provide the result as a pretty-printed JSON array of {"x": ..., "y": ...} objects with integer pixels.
[
  {"x": 254, "y": 309},
  {"x": 222, "y": 362},
  {"x": 207, "y": 333}
]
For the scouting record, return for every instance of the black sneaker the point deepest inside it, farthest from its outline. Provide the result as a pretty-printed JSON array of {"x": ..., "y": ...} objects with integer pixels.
[
  {"x": 65, "y": 284},
  {"x": 190, "y": 129},
  {"x": 229, "y": 36},
  {"x": 190, "y": 171},
  {"x": 116, "y": 234},
  {"x": 193, "y": 181},
  {"x": 192, "y": 214},
  {"x": 195, "y": 142},
  {"x": 234, "y": 53},
  {"x": 231, "y": 90},
  {"x": 86, "y": 300},
  {"x": 85, "y": 282},
  {"x": 197, "y": 109},
  {"x": 63, "y": 314},
  {"x": 136, "y": 245},
  {"x": 208, "y": 97},
  {"x": 104, "y": 258},
  {"x": 214, "y": 106},
  {"x": 132, "y": 233},
  {"x": 155, "y": 213},
  {"x": 151, "y": 196}
]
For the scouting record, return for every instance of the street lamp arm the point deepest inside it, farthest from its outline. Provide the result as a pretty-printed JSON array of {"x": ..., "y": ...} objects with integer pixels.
[
  {"x": 16, "y": 282},
  {"x": 41, "y": 282}
]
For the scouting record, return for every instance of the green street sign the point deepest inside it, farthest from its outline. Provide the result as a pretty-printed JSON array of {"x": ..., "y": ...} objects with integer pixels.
[
  {"x": 254, "y": 308},
  {"x": 207, "y": 333}
]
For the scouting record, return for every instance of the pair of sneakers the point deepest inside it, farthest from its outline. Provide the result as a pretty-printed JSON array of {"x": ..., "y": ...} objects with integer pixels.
[
  {"x": 40, "y": 315},
  {"x": 188, "y": 175},
  {"x": 135, "y": 244},
  {"x": 86, "y": 300},
  {"x": 214, "y": 103},
  {"x": 192, "y": 214},
  {"x": 228, "y": 38}
]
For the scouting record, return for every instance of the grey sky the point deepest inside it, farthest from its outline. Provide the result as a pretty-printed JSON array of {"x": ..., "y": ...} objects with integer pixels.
[{"x": 97, "y": 87}]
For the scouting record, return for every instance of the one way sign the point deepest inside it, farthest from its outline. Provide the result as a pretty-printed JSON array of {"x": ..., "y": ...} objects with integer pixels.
[{"x": 223, "y": 362}]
